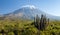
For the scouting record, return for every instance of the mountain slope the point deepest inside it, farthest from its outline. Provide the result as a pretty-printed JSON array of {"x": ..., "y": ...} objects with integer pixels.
[{"x": 29, "y": 12}]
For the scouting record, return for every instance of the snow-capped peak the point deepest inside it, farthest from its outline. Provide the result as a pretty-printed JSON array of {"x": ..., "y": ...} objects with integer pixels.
[{"x": 30, "y": 6}]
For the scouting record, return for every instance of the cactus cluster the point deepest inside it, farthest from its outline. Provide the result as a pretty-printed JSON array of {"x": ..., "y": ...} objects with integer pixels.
[{"x": 41, "y": 23}]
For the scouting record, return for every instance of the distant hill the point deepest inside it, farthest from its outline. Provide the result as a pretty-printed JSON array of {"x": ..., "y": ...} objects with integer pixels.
[{"x": 29, "y": 12}]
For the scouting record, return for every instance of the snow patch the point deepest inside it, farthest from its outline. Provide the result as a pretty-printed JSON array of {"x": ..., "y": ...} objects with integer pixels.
[{"x": 30, "y": 6}]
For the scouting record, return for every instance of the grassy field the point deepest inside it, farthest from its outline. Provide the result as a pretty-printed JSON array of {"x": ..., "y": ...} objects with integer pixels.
[{"x": 25, "y": 27}]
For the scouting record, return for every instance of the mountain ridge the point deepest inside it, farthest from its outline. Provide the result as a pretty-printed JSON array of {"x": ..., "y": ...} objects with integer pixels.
[{"x": 29, "y": 12}]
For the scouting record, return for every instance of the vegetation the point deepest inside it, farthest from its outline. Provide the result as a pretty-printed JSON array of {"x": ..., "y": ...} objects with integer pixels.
[
  {"x": 41, "y": 23},
  {"x": 38, "y": 26}
]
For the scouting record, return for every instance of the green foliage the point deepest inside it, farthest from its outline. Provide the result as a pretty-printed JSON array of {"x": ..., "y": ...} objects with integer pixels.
[
  {"x": 25, "y": 27},
  {"x": 10, "y": 33}
]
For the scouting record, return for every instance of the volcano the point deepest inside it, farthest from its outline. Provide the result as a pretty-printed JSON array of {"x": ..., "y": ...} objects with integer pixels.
[{"x": 29, "y": 12}]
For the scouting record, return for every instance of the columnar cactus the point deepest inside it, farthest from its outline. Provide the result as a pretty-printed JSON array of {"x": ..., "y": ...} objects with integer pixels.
[
  {"x": 36, "y": 21},
  {"x": 41, "y": 23}
]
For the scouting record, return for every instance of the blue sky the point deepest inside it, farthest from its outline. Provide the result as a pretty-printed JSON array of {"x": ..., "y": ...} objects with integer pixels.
[{"x": 49, "y": 6}]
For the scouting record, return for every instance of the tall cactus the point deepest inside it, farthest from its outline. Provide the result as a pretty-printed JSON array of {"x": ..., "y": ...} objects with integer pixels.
[
  {"x": 41, "y": 23},
  {"x": 36, "y": 21}
]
